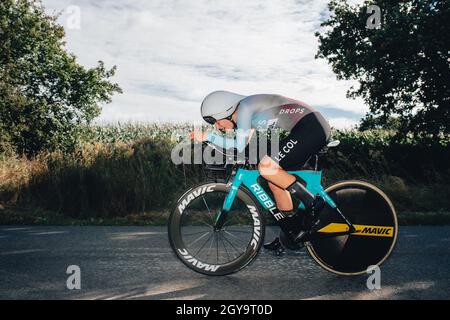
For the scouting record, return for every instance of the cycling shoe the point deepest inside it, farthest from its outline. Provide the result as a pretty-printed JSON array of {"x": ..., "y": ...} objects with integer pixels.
[
  {"x": 274, "y": 245},
  {"x": 289, "y": 243}
]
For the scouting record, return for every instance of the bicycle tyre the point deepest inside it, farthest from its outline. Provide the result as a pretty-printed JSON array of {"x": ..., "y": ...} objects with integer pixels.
[
  {"x": 188, "y": 259},
  {"x": 353, "y": 198}
]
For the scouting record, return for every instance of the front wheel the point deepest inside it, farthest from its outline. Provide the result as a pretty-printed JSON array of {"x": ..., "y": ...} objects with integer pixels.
[
  {"x": 209, "y": 250},
  {"x": 374, "y": 218}
]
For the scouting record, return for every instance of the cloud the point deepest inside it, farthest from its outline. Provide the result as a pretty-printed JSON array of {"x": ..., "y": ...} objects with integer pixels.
[
  {"x": 330, "y": 112},
  {"x": 170, "y": 54},
  {"x": 343, "y": 123}
]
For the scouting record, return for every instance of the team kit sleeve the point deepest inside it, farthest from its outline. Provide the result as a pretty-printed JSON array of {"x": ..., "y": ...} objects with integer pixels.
[{"x": 244, "y": 123}]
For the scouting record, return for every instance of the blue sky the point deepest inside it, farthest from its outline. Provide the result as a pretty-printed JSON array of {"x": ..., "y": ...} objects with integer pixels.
[{"x": 171, "y": 53}]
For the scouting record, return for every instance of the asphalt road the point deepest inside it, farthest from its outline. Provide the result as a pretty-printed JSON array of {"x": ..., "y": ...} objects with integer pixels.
[{"x": 137, "y": 263}]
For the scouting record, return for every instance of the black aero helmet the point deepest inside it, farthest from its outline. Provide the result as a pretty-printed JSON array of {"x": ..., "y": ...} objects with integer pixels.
[{"x": 219, "y": 105}]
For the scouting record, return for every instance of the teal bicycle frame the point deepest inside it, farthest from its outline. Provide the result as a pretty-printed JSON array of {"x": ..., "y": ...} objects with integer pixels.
[{"x": 249, "y": 178}]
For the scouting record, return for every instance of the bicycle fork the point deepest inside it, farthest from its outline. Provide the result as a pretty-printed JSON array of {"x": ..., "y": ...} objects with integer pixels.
[{"x": 220, "y": 219}]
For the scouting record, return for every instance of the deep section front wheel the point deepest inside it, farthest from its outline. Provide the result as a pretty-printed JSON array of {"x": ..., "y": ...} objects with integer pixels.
[
  {"x": 372, "y": 214},
  {"x": 209, "y": 250}
]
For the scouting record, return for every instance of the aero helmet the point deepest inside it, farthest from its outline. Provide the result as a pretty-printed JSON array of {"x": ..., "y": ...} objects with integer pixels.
[{"x": 219, "y": 105}]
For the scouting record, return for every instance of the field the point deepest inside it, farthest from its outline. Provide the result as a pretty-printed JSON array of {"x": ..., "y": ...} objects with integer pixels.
[{"x": 123, "y": 174}]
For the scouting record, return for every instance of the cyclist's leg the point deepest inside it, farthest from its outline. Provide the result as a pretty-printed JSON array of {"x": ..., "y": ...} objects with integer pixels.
[
  {"x": 284, "y": 204},
  {"x": 304, "y": 140},
  {"x": 276, "y": 175},
  {"x": 282, "y": 198}
]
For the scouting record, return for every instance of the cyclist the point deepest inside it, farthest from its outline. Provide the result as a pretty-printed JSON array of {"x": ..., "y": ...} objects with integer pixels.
[{"x": 308, "y": 133}]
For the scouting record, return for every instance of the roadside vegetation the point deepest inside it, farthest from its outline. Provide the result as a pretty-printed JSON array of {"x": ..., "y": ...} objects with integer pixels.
[{"x": 125, "y": 172}]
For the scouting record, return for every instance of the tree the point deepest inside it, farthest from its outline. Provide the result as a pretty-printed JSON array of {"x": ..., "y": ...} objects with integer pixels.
[
  {"x": 45, "y": 96},
  {"x": 402, "y": 67}
]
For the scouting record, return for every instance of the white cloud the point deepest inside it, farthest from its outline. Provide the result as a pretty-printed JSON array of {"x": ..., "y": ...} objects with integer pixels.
[
  {"x": 171, "y": 53},
  {"x": 343, "y": 123}
]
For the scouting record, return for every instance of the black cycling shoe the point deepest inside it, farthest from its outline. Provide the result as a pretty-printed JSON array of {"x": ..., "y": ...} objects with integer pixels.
[
  {"x": 300, "y": 223},
  {"x": 310, "y": 221},
  {"x": 290, "y": 243},
  {"x": 274, "y": 245}
]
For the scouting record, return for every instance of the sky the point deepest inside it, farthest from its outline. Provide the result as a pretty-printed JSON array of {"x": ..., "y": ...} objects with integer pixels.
[{"x": 171, "y": 53}]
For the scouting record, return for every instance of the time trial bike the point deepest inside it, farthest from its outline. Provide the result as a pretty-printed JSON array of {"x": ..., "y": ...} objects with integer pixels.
[{"x": 218, "y": 227}]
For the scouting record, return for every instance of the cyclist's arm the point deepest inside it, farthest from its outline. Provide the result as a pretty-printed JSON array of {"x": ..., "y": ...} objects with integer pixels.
[{"x": 244, "y": 123}]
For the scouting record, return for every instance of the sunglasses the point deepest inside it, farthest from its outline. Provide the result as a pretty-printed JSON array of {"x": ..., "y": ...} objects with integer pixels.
[{"x": 211, "y": 120}]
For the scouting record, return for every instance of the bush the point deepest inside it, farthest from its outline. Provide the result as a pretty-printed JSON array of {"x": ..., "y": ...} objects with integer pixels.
[
  {"x": 126, "y": 169},
  {"x": 106, "y": 180}
]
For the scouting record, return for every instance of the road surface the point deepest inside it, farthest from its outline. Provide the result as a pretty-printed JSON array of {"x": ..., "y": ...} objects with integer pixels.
[{"x": 137, "y": 263}]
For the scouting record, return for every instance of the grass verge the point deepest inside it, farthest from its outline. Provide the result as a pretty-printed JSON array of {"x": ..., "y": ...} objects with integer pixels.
[{"x": 22, "y": 216}]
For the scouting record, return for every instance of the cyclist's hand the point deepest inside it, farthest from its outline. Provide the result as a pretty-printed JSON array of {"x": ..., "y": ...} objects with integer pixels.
[{"x": 198, "y": 136}]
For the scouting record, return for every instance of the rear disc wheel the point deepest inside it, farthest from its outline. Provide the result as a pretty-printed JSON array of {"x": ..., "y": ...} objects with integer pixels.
[{"x": 374, "y": 217}]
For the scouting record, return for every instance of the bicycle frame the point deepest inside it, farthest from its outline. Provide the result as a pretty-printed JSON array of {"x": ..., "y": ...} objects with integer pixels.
[
  {"x": 249, "y": 178},
  {"x": 313, "y": 179}
]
